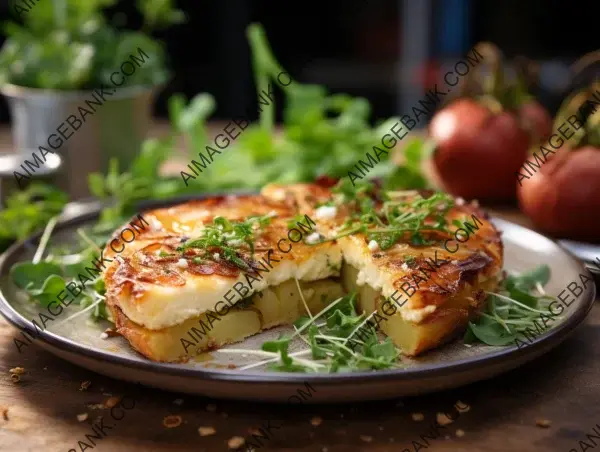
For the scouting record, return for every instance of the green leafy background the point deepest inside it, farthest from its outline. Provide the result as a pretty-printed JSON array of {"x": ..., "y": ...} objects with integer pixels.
[{"x": 68, "y": 45}]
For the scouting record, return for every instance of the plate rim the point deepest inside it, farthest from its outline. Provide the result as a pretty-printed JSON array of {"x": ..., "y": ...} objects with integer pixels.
[{"x": 431, "y": 370}]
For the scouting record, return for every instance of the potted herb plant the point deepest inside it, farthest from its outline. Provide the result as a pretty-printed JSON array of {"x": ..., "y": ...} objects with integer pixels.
[{"x": 64, "y": 66}]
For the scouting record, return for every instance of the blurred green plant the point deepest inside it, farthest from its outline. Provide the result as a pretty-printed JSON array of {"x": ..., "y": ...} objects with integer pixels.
[
  {"x": 322, "y": 134},
  {"x": 29, "y": 210},
  {"x": 69, "y": 45}
]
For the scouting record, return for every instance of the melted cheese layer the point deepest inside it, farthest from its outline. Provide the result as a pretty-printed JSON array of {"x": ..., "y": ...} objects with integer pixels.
[
  {"x": 359, "y": 256},
  {"x": 159, "y": 306}
]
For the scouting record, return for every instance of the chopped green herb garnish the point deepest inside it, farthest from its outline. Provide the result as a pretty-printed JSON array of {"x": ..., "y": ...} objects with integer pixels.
[
  {"x": 224, "y": 239},
  {"x": 293, "y": 222},
  {"x": 399, "y": 216},
  {"x": 410, "y": 260}
]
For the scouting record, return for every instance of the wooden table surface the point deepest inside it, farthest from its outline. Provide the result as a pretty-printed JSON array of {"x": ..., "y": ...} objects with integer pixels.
[{"x": 40, "y": 412}]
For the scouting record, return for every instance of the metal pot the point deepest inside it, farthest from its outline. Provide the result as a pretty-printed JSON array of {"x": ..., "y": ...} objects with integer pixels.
[{"x": 115, "y": 125}]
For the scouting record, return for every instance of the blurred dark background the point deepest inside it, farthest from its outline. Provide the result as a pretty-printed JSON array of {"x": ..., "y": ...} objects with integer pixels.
[{"x": 385, "y": 50}]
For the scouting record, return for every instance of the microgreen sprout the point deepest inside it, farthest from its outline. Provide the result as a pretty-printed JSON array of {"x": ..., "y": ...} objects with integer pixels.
[
  {"x": 328, "y": 343},
  {"x": 228, "y": 239},
  {"x": 513, "y": 309},
  {"x": 401, "y": 216}
]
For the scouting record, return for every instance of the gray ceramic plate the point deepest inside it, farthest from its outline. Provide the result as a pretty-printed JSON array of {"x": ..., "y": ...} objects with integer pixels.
[
  {"x": 454, "y": 364},
  {"x": 587, "y": 252}
]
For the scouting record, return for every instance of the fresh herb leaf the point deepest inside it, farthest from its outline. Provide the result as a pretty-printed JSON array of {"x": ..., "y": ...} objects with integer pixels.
[
  {"x": 99, "y": 286},
  {"x": 303, "y": 320},
  {"x": 469, "y": 337},
  {"x": 523, "y": 297},
  {"x": 527, "y": 280},
  {"x": 28, "y": 211},
  {"x": 492, "y": 334},
  {"x": 341, "y": 325},
  {"x": 279, "y": 346},
  {"x": 53, "y": 285},
  {"x": 318, "y": 352},
  {"x": 328, "y": 343},
  {"x": 386, "y": 351},
  {"x": 33, "y": 276},
  {"x": 293, "y": 367},
  {"x": 513, "y": 310}
]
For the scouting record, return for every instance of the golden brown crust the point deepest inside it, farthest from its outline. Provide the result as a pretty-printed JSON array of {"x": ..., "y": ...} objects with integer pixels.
[
  {"x": 439, "y": 273},
  {"x": 442, "y": 270},
  {"x": 133, "y": 333},
  {"x": 140, "y": 263}
]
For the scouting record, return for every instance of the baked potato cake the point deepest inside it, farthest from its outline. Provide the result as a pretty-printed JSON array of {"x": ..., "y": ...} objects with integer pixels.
[
  {"x": 216, "y": 271},
  {"x": 240, "y": 245},
  {"x": 433, "y": 283}
]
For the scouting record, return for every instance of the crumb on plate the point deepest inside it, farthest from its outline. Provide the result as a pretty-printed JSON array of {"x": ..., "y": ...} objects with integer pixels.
[
  {"x": 417, "y": 417},
  {"x": 316, "y": 421},
  {"x": 172, "y": 421},
  {"x": 236, "y": 442},
  {"x": 443, "y": 419},
  {"x": 544, "y": 423},
  {"x": 462, "y": 407},
  {"x": 206, "y": 431},
  {"x": 112, "y": 402}
]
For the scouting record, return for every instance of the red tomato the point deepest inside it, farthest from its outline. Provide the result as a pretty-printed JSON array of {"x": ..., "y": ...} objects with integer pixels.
[
  {"x": 562, "y": 197},
  {"x": 478, "y": 152},
  {"x": 537, "y": 119}
]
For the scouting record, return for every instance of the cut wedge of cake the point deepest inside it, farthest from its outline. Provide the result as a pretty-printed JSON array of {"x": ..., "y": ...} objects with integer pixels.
[{"x": 215, "y": 271}]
